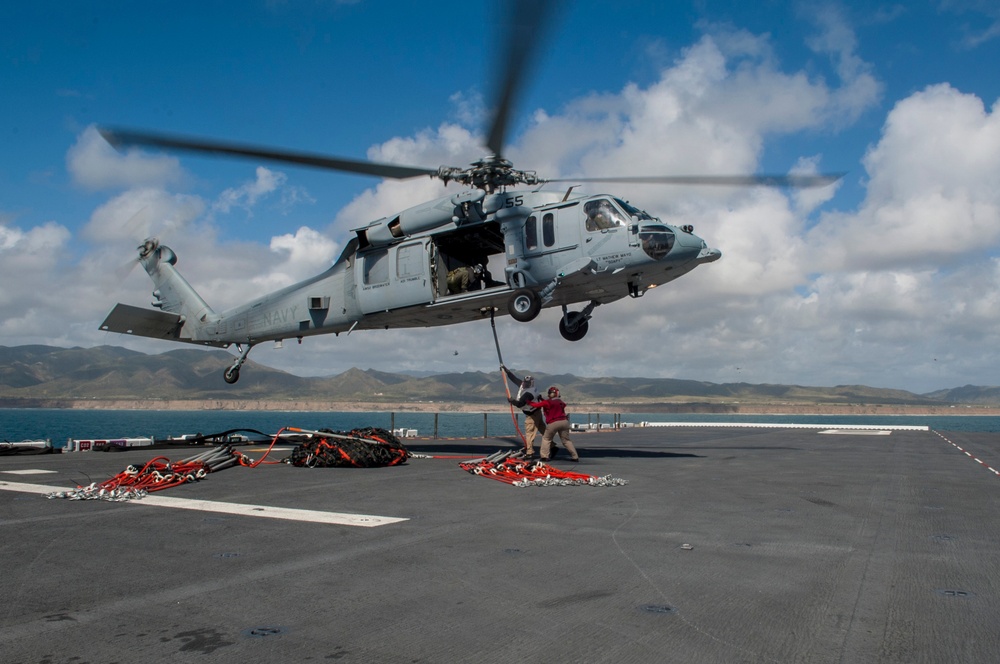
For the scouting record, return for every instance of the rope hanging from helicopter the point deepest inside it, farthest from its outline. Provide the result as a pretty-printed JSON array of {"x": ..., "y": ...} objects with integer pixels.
[{"x": 503, "y": 377}]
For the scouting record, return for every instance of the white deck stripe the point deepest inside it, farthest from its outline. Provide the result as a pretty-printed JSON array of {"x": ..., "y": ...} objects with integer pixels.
[
  {"x": 966, "y": 453},
  {"x": 857, "y": 432},
  {"x": 29, "y": 471},
  {"x": 766, "y": 425},
  {"x": 312, "y": 516}
]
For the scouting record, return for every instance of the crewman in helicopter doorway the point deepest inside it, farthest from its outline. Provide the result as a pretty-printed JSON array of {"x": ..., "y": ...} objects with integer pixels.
[{"x": 465, "y": 278}]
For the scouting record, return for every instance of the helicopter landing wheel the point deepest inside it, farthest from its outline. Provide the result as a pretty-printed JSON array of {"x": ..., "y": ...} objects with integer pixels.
[
  {"x": 524, "y": 305},
  {"x": 232, "y": 375},
  {"x": 573, "y": 326}
]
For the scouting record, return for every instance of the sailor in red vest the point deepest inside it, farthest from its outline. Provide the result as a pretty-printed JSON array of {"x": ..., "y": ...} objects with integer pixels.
[{"x": 556, "y": 422}]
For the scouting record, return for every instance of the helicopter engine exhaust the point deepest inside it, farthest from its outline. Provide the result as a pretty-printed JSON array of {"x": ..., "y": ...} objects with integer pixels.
[{"x": 456, "y": 209}]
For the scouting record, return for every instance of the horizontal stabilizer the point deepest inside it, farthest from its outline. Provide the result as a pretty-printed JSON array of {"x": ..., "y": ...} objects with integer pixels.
[{"x": 126, "y": 319}]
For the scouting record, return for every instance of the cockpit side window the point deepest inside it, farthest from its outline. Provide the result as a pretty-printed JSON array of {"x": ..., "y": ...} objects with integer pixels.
[{"x": 601, "y": 215}]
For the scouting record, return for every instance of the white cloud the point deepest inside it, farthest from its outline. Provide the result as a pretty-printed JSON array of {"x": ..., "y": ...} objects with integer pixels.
[
  {"x": 859, "y": 88},
  {"x": 37, "y": 277},
  {"x": 981, "y": 12},
  {"x": 27, "y": 259},
  {"x": 96, "y": 165},
  {"x": 306, "y": 252},
  {"x": 267, "y": 182},
  {"x": 931, "y": 197},
  {"x": 136, "y": 214}
]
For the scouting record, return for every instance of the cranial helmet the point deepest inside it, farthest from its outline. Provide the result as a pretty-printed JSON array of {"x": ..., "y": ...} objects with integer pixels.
[{"x": 553, "y": 391}]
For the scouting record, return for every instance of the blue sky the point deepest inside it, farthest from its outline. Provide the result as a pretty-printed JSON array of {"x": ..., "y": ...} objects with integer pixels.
[{"x": 887, "y": 279}]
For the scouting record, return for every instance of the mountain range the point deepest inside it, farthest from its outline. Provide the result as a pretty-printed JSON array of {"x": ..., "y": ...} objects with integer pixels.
[{"x": 38, "y": 375}]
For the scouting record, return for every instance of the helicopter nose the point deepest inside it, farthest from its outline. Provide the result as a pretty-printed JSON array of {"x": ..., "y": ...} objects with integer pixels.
[
  {"x": 689, "y": 239},
  {"x": 694, "y": 248},
  {"x": 707, "y": 255}
]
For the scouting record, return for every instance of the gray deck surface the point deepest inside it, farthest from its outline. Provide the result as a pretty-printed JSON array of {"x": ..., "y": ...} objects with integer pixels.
[{"x": 804, "y": 547}]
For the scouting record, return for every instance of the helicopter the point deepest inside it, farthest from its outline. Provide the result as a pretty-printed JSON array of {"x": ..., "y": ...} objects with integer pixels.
[{"x": 503, "y": 245}]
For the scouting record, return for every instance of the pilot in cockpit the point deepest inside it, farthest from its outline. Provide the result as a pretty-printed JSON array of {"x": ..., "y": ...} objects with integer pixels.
[{"x": 600, "y": 215}]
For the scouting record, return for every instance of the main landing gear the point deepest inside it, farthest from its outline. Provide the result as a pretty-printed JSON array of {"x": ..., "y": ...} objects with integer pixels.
[
  {"x": 524, "y": 305},
  {"x": 232, "y": 374}
]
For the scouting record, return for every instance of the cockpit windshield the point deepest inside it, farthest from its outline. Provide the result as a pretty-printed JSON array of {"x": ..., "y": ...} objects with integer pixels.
[{"x": 633, "y": 211}]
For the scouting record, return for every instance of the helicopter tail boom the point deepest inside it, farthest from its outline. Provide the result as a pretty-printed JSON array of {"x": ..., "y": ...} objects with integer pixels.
[
  {"x": 173, "y": 293},
  {"x": 139, "y": 322},
  {"x": 183, "y": 313}
]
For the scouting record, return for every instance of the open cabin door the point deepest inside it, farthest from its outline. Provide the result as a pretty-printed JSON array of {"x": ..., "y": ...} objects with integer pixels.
[{"x": 395, "y": 277}]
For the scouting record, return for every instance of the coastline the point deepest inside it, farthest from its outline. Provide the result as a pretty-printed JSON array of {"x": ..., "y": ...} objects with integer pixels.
[{"x": 265, "y": 405}]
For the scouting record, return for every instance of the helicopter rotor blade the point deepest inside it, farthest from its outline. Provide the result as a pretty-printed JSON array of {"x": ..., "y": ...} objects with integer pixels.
[
  {"x": 123, "y": 138},
  {"x": 527, "y": 19},
  {"x": 788, "y": 181},
  {"x": 134, "y": 226},
  {"x": 123, "y": 271}
]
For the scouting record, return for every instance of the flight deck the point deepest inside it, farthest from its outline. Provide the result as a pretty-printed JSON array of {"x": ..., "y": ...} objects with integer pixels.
[{"x": 727, "y": 544}]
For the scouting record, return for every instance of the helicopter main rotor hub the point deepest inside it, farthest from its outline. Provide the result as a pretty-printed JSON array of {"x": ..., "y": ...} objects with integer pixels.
[{"x": 489, "y": 174}]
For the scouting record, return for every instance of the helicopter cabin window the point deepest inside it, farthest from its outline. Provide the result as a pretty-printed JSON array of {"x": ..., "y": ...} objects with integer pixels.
[
  {"x": 409, "y": 261},
  {"x": 548, "y": 229},
  {"x": 376, "y": 267},
  {"x": 602, "y": 215},
  {"x": 531, "y": 233}
]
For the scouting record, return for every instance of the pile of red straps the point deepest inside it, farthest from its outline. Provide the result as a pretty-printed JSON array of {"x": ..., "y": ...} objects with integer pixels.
[
  {"x": 158, "y": 474},
  {"x": 511, "y": 468}
]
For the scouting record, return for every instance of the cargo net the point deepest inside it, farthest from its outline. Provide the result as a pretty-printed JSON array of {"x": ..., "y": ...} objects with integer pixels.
[
  {"x": 359, "y": 448},
  {"x": 510, "y": 468}
]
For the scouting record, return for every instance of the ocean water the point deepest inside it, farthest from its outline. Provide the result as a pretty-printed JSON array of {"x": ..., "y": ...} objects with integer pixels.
[{"x": 60, "y": 425}]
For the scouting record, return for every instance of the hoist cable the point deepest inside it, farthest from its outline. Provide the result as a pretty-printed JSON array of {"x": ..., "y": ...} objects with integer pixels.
[{"x": 503, "y": 377}]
